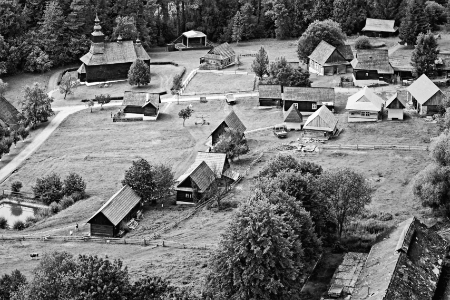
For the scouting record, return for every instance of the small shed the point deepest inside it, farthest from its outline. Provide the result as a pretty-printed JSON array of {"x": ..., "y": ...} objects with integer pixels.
[
  {"x": 427, "y": 98},
  {"x": 270, "y": 95},
  {"x": 231, "y": 121},
  {"x": 380, "y": 27},
  {"x": 395, "y": 106},
  {"x": 121, "y": 207},
  {"x": 191, "y": 39},
  {"x": 372, "y": 64},
  {"x": 9, "y": 115},
  {"x": 218, "y": 57},
  {"x": 293, "y": 119},
  {"x": 321, "y": 124},
  {"x": 194, "y": 183},
  {"x": 141, "y": 104},
  {"x": 328, "y": 60},
  {"x": 364, "y": 106},
  {"x": 307, "y": 99}
]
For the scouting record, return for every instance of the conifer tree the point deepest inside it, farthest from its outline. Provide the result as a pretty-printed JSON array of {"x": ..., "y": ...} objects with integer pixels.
[
  {"x": 425, "y": 54},
  {"x": 260, "y": 64},
  {"x": 414, "y": 22},
  {"x": 238, "y": 28}
]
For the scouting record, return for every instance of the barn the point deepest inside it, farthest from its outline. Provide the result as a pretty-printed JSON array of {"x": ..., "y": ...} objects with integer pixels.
[
  {"x": 307, "y": 99},
  {"x": 328, "y": 60},
  {"x": 108, "y": 61},
  {"x": 372, "y": 65},
  {"x": 193, "y": 185},
  {"x": 293, "y": 119},
  {"x": 427, "y": 98},
  {"x": 364, "y": 106},
  {"x": 218, "y": 58},
  {"x": 321, "y": 124},
  {"x": 379, "y": 27},
  {"x": 141, "y": 104},
  {"x": 9, "y": 115},
  {"x": 118, "y": 210},
  {"x": 231, "y": 121},
  {"x": 270, "y": 95},
  {"x": 395, "y": 106}
]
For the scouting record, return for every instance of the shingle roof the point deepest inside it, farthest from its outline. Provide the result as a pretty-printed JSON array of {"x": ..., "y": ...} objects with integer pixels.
[
  {"x": 202, "y": 176},
  {"x": 373, "y": 59},
  {"x": 119, "y": 205},
  {"x": 140, "y": 99},
  {"x": 313, "y": 94},
  {"x": 269, "y": 91},
  {"x": 293, "y": 115},
  {"x": 405, "y": 265},
  {"x": 322, "y": 52},
  {"x": 321, "y": 119},
  {"x": 380, "y": 25},
  {"x": 193, "y": 34},
  {"x": 215, "y": 161},
  {"x": 8, "y": 113},
  {"x": 423, "y": 89},
  {"x": 346, "y": 51},
  {"x": 114, "y": 53},
  {"x": 393, "y": 98},
  {"x": 82, "y": 69},
  {"x": 222, "y": 51},
  {"x": 365, "y": 100},
  {"x": 233, "y": 121}
]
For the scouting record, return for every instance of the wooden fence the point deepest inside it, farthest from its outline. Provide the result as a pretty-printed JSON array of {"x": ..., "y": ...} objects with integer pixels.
[{"x": 375, "y": 147}]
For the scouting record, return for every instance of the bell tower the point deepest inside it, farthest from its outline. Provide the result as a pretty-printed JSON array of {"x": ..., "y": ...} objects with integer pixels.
[{"x": 97, "y": 35}]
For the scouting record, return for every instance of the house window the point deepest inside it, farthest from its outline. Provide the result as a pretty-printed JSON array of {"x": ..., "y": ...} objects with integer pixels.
[
  {"x": 365, "y": 114},
  {"x": 188, "y": 195},
  {"x": 314, "y": 106},
  {"x": 296, "y": 105}
]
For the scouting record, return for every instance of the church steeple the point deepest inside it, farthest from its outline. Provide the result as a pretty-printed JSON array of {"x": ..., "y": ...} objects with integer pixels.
[{"x": 97, "y": 35}]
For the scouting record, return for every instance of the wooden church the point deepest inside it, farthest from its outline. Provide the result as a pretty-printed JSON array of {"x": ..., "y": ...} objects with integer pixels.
[{"x": 107, "y": 61}]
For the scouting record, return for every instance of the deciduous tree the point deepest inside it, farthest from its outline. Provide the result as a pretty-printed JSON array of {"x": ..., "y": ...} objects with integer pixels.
[
  {"x": 185, "y": 113},
  {"x": 350, "y": 14},
  {"x": 49, "y": 188},
  {"x": 140, "y": 177},
  {"x": 36, "y": 105},
  {"x": 68, "y": 84},
  {"x": 425, "y": 54},
  {"x": 74, "y": 183},
  {"x": 3, "y": 87},
  {"x": 125, "y": 28},
  {"x": 231, "y": 142},
  {"x": 102, "y": 99},
  {"x": 363, "y": 42},
  {"x": 139, "y": 73},
  {"x": 9, "y": 284}
]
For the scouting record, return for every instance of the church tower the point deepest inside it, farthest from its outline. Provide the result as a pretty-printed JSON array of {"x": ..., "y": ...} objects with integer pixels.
[{"x": 97, "y": 35}]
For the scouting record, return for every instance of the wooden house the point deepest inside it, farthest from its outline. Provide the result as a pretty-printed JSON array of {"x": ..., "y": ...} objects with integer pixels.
[
  {"x": 141, "y": 104},
  {"x": 231, "y": 121},
  {"x": 406, "y": 264},
  {"x": 427, "y": 98},
  {"x": 218, "y": 58},
  {"x": 328, "y": 60},
  {"x": 307, "y": 99},
  {"x": 9, "y": 115},
  {"x": 365, "y": 106},
  {"x": 372, "y": 64},
  {"x": 395, "y": 106},
  {"x": 270, "y": 95},
  {"x": 108, "y": 61},
  {"x": 191, "y": 39},
  {"x": 119, "y": 209},
  {"x": 293, "y": 119},
  {"x": 380, "y": 27},
  {"x": 195, "y": 182},
  {"x": 321, "y": 124}
]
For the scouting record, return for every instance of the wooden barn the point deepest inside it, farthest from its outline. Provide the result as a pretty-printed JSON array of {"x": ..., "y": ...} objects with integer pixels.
[
  {"x": 395, "y": 106},
  {"x": 141, "y": 104},
  {"x": 365, "y": 106},
  {"x": 427, "y": 98},
  {"x": 270, "y": 95},
  {"x": 9, "y": 115},
  {"x": 117, "y": 211},
  {"x": 293, "y": 119},
  {"x": 195, "y": 182},
  {"x": 218, "y": 58},
  {"x": 372, "y": 64},
  {"x": 321, "y": 124},
  {"x": 108, "y": 61},
  {"x": 307, "y": 99},
  {"x": 328, "y": 60},
  {"x": 380, "y": 28},
  {"x": 231, "y": 121}
]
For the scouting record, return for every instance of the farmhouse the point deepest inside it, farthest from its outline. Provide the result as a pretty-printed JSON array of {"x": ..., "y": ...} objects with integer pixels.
[
  {"x": 9, "y": 115},
  {"x": 372, "y": 65},
  {"x": 321, "y": 124},
  {"x": 270, "y": 95},
  {"x": 141, "y": 105},
  {"x": 293, "y": 119},
  {"x": 328, "y": 60},
  {"x": 364, "y": 106},
  {"x": 405, "y": 265},
  {"x": 426, "y": 96},
  {"x": 307, "y": 99},
  {"x": 118, "y": 210},
  {"x": 218, "y": 58},
  {"x": 379, "y": 27},
  {"x": 395, "y": 106},
  {"x": 107, "y": 61},
  {"x": 195, "y": 182},
  {"x": 231, "y": 121}
]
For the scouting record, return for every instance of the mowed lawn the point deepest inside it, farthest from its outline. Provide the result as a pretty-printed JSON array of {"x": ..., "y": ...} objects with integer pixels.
[{"x": 212, "y": 83}]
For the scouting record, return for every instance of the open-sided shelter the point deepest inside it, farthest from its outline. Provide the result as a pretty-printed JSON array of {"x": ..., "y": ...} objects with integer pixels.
[
  {"x": 191, "y": 39},
  {"x": 107, "y": 61},
  {"x": 328, "y": 60},
  {"x": 270, "y": 94},
  {"x": 364, "y": 106},
  {"x": 426, "y": 96},
  {"x": 293, "y": 119},
  {"x": 321, "y": 124},
  {"x": 231, "y": 121},
  {"x": 141, "y": 104},
  {"x": 195, "y": 182},
  {"x": 9, "y": 115},
  {"x": 218, "y": 57},
  {"x": 395, "y": 106},
  {"x": 372, "y": 64},
  {"x": 379, "y": 27},
  {"x": 121, "y": 207},
  {"x": 307, "y": 99}
]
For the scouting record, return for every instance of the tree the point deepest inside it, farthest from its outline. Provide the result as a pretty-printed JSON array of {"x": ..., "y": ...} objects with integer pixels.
[
  {"x": 177, "y": 82},
  {"x": 16, "y": 186},
  {"x": 68, "y": 84},
  {"x": 139, "y": 73},
  {"x": 327, "y": 30},
  {"x": 363, "y": 42},
  {"x": 283, "y": 18},
  {"x": 432, "y": 187},
  {"x": 49, "y": 188},
  {"x": 3, "y": 88},
  {"x": 350, "y": 14},
  {"x": 386, "y": 9},
  {"x": 347, "y": 191},
  {"x": 238, "y": 28},
  {"x": 23, "y": 132},
  {"x": 102, "y": 99},
  {"x": 125, "y": 28},
  {"x": 74, "y": 183},
  {"x": 425, "y": 54},
  {"x": 140, "y": 177},
  {"x": 231, "y": 142},
  {"x": 185, "y": 113},
  {"x": 323, "y": 10},
  {"x": 283, "y": 162},
  {"x": 164, "y": 180},
  {"x": 36, "y": 106},
  {"x": 153, "y": 287},
  {"x": 260, "y": 64},
  {"x": 281, "y": 72},
  {"x": 37, "y": 61},
  {"x": 435, "y": 14},
  {"x": 414, "y": 22},
  {"x": 9, "y": 284}
]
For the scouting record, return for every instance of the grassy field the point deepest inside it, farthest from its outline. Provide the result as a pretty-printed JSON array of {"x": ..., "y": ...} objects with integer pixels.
[{"x": 208, "y": 83}]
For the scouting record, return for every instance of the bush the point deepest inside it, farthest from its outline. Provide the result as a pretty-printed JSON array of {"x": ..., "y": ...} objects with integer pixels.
[
  {"x": 363, "y": 43},
  {"x": 30, "y": 221},
  {"x": 49, "y": 188},
  {"x": 54, "y": 207},
  {"x": 3, "y": 223},
  {"x": 225, "y": 204},
  {"x": 66, "y": 202},
  {"x": 74, "y": 183},
  {"x": 16, "y": 186},
  {"x": 77, "y": 196},
  {"x": 19, "y": 225},
  {"x": 43, "y": 213}
]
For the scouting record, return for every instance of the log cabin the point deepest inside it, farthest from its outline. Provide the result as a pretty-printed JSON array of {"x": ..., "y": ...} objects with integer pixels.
[
  {"x": 307, "y": 99},
  {"x": 364, "y": 106},
  {"x": 10, "y": 117},
  {"x": 380, "y": 28},
  {"x": 372, "y": 65},
  {"x": 328, "y": 60},
  {"x": 193, "y": 185},
  {"x": 218, "y": 58},
  {"x": 141, "y": 104},
  {"x": 321, "y": 124},
  {"x": 395, "y": 106},
  {"x": 231, "y": 121},
  {"x": 293, "y": 119},
  {"x": 270, "y": 95},
  {"x": 426, "y": 97}
]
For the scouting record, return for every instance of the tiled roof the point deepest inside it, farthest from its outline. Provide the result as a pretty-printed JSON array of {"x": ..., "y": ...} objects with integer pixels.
[
  {"x": 269, "y": 91},
  {"x": 114, "y": 53},
  {"x": 321, "y": 119},
  {"x": 423, "y": 89},
  {"x": 346, "y": 51},
  {"x": 380, "y": 25},
  {"x": 393, "y": 98},
  {"x": 365, "y": 100},
  {"x": 119, "y": 205},
  {"x": 373, "y": 59},
  {"x": 293, "y": 115},
  {"x": 322, "y": 52},
  {"x": 202, "y": 176},
  {"x": 8, "y": 113},
  {"x": 222, "y": 51},
  {"x": 140, "y": 99},
  {"x": 313, "y": 94},
  {"x": 193, "y": 34}
]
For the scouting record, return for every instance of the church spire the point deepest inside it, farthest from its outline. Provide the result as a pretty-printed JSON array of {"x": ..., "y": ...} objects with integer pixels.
[{"x": 97, "y": 35}]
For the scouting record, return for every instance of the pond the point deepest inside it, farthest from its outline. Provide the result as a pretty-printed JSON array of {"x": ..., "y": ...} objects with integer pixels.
[{"x": 13, "y": 212}]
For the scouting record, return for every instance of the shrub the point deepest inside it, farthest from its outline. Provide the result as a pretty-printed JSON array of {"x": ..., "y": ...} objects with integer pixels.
[
  {"x": 3, "y": 223},
  {"x": 43, "y": 213},
  {"x": 30, "y": 221},
  {"x": 77, "y": 196},
  {"x": 49, "y": 188},
  {"x": 225, "y": 204},
  {"x": 54, "y": 207},
  {"x": 19, "y": 225},
  {"x": 66, "y": 202},
  {"x": 74, "y": 183},
  {"x": 16, "y": 186},
  {"x": 363, "y": 43}
]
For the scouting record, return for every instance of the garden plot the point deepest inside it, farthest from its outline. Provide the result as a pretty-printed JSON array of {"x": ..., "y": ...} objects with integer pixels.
[{"x": 217, "y": 83}]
